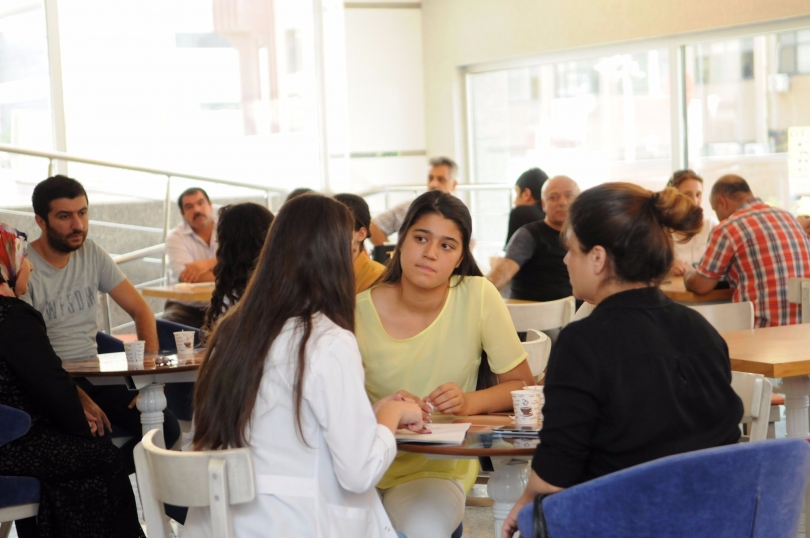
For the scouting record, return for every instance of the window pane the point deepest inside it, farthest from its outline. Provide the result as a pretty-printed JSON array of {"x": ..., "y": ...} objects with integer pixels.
[
  {"x": 596, "y": 119},
  {"x": 221, "y": 88},
  {"x": 25, "y": 107},
  {"x": 740, "y": 116}
]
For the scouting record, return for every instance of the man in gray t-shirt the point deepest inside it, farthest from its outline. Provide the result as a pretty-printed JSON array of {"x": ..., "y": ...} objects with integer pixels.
[
  {"x": 69, "y": 271},
  {"x": 67, "y": 297}
]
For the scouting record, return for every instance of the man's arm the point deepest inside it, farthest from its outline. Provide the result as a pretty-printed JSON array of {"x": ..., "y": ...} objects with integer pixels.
[
  {"x": 519, "y": 250},
  {"x": 133, "y": 303},
  {"x": 378, "y": 238},
  {"x": 199, "y": 271},
  {"x": 699, "y": 284},
  {"x": 502, "y": 272}
]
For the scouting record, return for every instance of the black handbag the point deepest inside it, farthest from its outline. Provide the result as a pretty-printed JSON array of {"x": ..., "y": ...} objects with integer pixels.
[{"x": 540, "y": 530}]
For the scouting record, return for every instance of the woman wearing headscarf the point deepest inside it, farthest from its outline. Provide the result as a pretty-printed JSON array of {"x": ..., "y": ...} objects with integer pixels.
[{"x": 84, "y": 490}]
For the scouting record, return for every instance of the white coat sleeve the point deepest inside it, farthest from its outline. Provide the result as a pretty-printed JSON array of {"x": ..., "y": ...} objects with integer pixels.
[{"x": 361, "y": 449}]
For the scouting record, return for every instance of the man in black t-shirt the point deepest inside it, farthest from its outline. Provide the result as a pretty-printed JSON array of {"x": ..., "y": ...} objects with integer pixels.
[
  {"x": 534, "y": 255},
  {"x": 528, "y": 204}
]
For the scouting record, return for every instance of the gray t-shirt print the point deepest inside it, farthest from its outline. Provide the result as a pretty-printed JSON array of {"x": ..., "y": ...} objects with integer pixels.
[{"x": 66, "y": 297}]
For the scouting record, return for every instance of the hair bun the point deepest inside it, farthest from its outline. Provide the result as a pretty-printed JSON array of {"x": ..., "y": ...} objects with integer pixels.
[{"x": 676, "y": 212}]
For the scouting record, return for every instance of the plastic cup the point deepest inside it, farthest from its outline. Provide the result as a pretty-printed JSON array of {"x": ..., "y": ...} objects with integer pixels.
[
  {"x": 134, "y": 351},
  {"x": 538, "y": 388},
  {"x": 185, "y": 342},
  {"x": 527, "y": 404}
]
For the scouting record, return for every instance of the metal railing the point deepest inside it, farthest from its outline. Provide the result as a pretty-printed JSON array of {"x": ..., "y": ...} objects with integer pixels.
[{"x": 159, "y": 249}]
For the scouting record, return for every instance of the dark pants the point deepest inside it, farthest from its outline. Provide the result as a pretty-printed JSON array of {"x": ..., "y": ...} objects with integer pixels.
[
  {"x": 190, "y": 316},
  {"x": 114, "y": 401}
]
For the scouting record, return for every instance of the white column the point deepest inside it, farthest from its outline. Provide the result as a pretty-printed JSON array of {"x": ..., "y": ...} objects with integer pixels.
[
  {"x": 505, "y": 487},
  {"x": 151, "y": 404}
]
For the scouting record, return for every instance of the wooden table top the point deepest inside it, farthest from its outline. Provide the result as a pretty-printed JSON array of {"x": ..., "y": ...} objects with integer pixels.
[
  {"x": 676, "y": 290},
  {"x": 771, "y": 351},
  {"x": 110, "y": 364},
  {"x": 199, "y": 292},
  {"x": 480, "y": 441}
]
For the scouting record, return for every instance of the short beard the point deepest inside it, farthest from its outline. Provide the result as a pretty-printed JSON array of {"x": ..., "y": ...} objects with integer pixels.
[{"x": 58, "y": 242}]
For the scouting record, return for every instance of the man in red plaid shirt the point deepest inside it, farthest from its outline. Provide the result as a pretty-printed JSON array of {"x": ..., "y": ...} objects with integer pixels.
[{"x": 758, "y": 248}]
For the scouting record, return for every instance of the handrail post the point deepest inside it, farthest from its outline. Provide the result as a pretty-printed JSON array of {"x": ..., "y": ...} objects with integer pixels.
[
  {"x": 105, "y": 303},
  {"x": 50, "y": 167},
  {"x": 166, "y": 204},
  {"x": 267, "y": 199}
]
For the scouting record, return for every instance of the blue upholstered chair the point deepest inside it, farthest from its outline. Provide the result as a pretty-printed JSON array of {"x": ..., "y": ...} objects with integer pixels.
[
  {"x": 166, "y": 330},
  {"x": 108, "y": 344},
  {"x": 19, "y": 495},
  {"x": 746, "y": 489},
  {"x": 178, "y": 395}
]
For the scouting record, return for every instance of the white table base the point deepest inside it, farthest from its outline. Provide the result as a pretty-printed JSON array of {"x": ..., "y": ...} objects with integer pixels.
[
  {"x": 151, "y": 402},
  {"x": 506, "y": 485}
]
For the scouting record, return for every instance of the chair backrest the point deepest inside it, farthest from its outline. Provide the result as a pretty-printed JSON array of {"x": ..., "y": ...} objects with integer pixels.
[
  {"x": 583, "y": 311},
  {"x": 216, "y": 478},
  {"x": 799, "y": 292},
  {"x": 166, "y": 330},
  {"x": 745, "y": 489},
  {"x": 755, "y": 392},
  {"x": 725, "y": 317},
  {"x": 542, "y": 316},
  {"x": 538, "y": 346},
  {"x": 108, "y": 344},
  {"x": 14, "y": 423}
]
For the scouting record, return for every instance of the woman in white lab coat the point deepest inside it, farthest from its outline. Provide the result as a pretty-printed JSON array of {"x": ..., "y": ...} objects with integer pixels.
[{"x": 283, "y": 376}]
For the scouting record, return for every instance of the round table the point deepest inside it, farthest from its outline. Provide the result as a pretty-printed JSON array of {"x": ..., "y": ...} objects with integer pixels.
[
  {"x": 148, "y": 378},
  {"x": 510, "y": 459}
]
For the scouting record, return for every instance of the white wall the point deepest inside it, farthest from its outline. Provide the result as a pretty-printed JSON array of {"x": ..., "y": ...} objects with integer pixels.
[
  {"x": 458, "y": 33},
  {"x": 385, "y": 81}
]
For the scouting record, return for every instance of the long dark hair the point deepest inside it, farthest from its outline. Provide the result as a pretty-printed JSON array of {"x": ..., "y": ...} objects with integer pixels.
[
  {"x": 448, "y": 206},
  {"x": 304, "y": 268},
  {"x": 241, "y": 231},
  {"x": 634, "y": 227}
]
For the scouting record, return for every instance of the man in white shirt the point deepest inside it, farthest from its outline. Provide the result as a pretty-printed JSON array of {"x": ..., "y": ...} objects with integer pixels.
[
  {"x": 442, "y": 176},
  {"x": 191, "y": 247}
]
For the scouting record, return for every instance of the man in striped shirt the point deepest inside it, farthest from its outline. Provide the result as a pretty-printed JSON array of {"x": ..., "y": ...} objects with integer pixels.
[{"x": 758, "y": 248}]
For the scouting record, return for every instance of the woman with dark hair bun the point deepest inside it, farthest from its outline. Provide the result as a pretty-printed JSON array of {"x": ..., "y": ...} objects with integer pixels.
[
  {"x": 421, "y": 331},
  {"x": 642, "y": 377},
  {"x": 241, "y": 231}
]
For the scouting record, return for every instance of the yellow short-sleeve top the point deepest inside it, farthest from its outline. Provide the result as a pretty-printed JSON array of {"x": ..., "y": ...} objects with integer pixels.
[{"x": 474, "y": 319}]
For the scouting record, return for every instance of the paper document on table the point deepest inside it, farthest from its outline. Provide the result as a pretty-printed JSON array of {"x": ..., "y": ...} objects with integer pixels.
[{"x": 441, "y": 434}]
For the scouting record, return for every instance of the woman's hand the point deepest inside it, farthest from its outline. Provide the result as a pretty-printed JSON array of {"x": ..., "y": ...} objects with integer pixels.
[
  {"x": 400, "y": 414},
  {"x": 679, "y": 268},
  {"x": 406, "y": 396},
  {"x": 448, "y": 399},
  {"x": 535, "y": 487},
  {"x": 510, "y": 523},
  {"x": 94, "y": 415}
]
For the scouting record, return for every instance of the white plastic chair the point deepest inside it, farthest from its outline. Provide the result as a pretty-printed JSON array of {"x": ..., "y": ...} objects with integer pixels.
[
  {"x": 583, "y": 311},
  {"x": 726, "y": 317},
  {"x": 216, "y": 478},
  {"x": 542, "y": 316},
  {"x": 799, "y": 292},
  {"x": 755, "y": 392},
  {"x": 10, "y": 514},
  {"x": 538, "y": 346}
]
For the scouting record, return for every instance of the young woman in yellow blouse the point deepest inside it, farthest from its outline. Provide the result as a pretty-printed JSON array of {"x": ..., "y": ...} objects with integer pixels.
[{"x": 421, "y": 333}]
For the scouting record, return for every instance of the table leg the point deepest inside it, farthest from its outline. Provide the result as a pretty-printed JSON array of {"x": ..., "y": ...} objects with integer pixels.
[
  {"x": 796, "y": 406},
  {"x": 505, "y": 487},
  {"x": 151, "y": 404}
]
